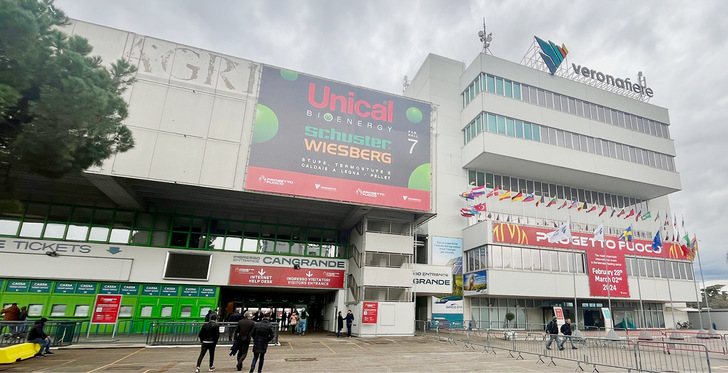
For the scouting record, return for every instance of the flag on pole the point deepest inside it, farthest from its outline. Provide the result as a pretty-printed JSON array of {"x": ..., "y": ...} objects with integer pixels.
[
  {"x": 582, "y": 207},
  {"x": 529, "y": 198},
  {"x": 493, "y": 192},
  {"x": 599, "y": 233},
  {"x": 552, "y": 202},
  {"x": 564, "y": 231},
  {"x": 621, "y": 212},
  {"x": 541, "y": 200},
  {"x": 657, "y": 216},
  {"x": 466, "y": 212},
  {"x": 604, "y": 209},
  {"x": 564, "y": 205},
  {"x": 480, "y": 207},
  {"x": 685, "y": 244},
  {"x": 467, "y": 195},
  {"x": 647, "y": 215},
  {"x": 517, "y": 197},
  {"x": 638, "y": 215},
  {"x": 593, "y": 208},
  {"x": 693, "y": 247},
  {"x": 505, "y": 195},
  {"x": 631, "y": 213},
  {"x": 478, "y": 191},
  {"x": 656, "y": 242},
  {"x": 574, "y": 203},
  {"x": 626, "y": 236},
  {"x": 614, "y": 209}
]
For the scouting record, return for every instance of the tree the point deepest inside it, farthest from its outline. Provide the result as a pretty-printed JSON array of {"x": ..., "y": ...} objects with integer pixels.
[
  {"x": 61, "y": 110},
  {"x": 716, "y": 298}
]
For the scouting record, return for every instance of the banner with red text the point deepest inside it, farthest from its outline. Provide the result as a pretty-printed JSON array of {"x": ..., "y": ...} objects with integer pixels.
[
  {"x": 286, "y": 276},
  {"x": 607, "y": 274}
]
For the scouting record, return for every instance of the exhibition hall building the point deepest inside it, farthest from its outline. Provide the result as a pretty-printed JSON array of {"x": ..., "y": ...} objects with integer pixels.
[{"x": 491, "y": 194}]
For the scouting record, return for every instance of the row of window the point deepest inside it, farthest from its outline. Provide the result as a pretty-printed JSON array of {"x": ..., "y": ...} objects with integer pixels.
[
  {"x": 537, "y": 96},
  {"x": 492, "y": 123},
  {"x": 102, "y": 225},
  {"x": 525, "y": 259},
  {"x": 388, "y": 294},
  {"x": 377, "y": 259},
  {"x": 551, "y": 190}
]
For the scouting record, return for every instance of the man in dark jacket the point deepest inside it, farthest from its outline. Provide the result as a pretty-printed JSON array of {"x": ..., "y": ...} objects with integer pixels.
[
  {"x": 566, "y": 331},
  {"x": 209, "y": 335},
  {"x": 233, "y": 318},
  {"x": 37, "y": 335},
  {"x": 339, "y": 325},
  {"x": 552, "y": 329},
  {"x": 262, "y": 335},
  {"x": 349, "y": 320},
  {"x": 242, "y": 337}
]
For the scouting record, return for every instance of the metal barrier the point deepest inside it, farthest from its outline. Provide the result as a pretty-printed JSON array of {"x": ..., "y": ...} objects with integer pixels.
[
  {"x": 179, "y": 333},
  {"x": 671, "y": 357},
  {"x": 622, "y": 352}
]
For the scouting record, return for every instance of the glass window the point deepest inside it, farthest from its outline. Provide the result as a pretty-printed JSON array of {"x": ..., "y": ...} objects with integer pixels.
[
  {"x": 492, "y": 123},
  {"x": 125, "y": 311},
  {"x": 536, "y": 259},
  {"x": 546, "y": 260},
  {"x": 527, "y": 130},
  {"x": 166, "y": 311},
  {"x": 58, "y": 310},
  {"x": 533, "y": 95},
  {"x": 501, "y": 124},
  {"x": 9, "y": 227},
  {"x": 499, "y": 86},
  {"x": 497, "y": 257},
  {"x": 564, "y": 261},
  {"x": 490, "y": 83},
  {"x": 516, "y": 254},
  {"x": 564, "y": 104},
  {"x": 536, "y": 132},
  {"x": 567, "y": 140},
  {"x": 186, "y": 311},
  {"x": 508, "y": 88},
  {"x": 554, "y": 261},
  {"x": 81, "y": 310},
  {"x": 519, "y": 129},
  {"x": 527, "y": 261},
  {"x": 54, "y": 230},
  {"x": 516, "y": 91},
  {"x": 541, "y": 97},
  {"x": 31, "y": 229},
  {"x": 549, "y": 100},
  {"x": 146, "y": 311},
  {"x": 579, "y": 107},
  {"x": 510, "y": 128},
  {"x": 35, "y": 310}
]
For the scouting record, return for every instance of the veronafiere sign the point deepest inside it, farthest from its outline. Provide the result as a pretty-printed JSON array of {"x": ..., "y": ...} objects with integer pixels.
[{"x": 324, "y": 139}]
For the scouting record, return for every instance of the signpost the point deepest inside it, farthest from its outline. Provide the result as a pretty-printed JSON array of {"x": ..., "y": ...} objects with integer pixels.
[
  {"x": 369, "y": 315},
  {"x": 106, "y": 311}
]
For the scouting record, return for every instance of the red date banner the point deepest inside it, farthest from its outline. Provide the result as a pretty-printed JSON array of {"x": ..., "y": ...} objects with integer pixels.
[
  {"x": 286, "y": 276},
  {"x": 607, "y": 274}
]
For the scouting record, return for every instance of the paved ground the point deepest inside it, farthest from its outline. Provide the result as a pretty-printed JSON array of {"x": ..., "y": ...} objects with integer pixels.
[{"x": 315, "y": 352}]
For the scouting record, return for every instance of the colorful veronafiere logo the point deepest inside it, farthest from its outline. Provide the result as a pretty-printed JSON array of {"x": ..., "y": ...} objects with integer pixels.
[{"x": 552, "y": 54}]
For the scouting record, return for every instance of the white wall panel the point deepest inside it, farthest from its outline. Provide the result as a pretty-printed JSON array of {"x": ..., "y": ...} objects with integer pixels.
[
  {"x": 146, "y": 104},
  {"x": 226, "y": 122},
  {"x": 177, "y": 158},
  {"x": 138, "y": 161},
  {"x": 65, "y": 267},
  {"x": 187, "y": 112},
  {"x": 389, "y": 243},
  {"x": 218, "y": 165},
  {"x": 107, "y": 43},
  {"x": 383, "y": 276}
]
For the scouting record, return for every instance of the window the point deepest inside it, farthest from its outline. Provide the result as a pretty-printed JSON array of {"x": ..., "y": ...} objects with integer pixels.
[
  {"x": 81, "y": 310},
  {"x": 166, "y": 311},
  {"x": 499, "y": 86},
  {"x": 490, "y": 84},
  {"x": 58, "y": 310},
  {"x": 186, "y": 311},
  {"x": 125, "y": 311}
]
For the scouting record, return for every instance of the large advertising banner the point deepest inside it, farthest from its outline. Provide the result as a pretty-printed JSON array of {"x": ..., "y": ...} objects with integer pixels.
[
  {"x": 607, "y": 274},
  {"x": 448, "y": 309},
  {"x": 323, "y": 139},
  {"x": 606, "y": 265},
  {"x": 475, "y": 283},
  {"x": 286, "y": 276}
]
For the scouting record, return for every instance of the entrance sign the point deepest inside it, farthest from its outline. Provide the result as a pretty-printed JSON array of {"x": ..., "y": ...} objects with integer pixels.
[
  {"x": 369, "y": 315},
  {"x": 106, "y": 309},
  {"x": 286, "y": 276},
  {"x": 324, "y": 139}
]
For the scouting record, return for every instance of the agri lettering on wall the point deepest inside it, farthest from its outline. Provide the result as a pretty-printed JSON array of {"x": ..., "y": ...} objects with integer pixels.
[
  {"x": 322, "y": 139},
  {"x": 606, "y": 265}
]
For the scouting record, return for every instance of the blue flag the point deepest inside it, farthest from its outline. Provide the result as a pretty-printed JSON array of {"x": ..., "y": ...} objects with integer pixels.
[
  {"x": 626, "y": 236},
  {"x": 657, "y": 242}
]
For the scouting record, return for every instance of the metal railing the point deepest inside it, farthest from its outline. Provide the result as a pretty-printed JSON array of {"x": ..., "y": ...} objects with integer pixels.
[
  {"x": 180, "y": 333},
  {"x": 622, "y": 352},
  {"x": 62, "y": 332}
]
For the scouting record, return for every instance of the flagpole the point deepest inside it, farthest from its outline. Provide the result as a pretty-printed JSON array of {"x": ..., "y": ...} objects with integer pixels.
[
  {"x": 609, "y": 295},
  {"x": 705, "y": 292},
  {"x": 669, "y": 290},
  {"x": 573, "y": 277}
]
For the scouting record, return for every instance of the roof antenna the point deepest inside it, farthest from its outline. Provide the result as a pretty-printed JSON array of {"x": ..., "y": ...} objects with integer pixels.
[{"x": 485, "y": 38}]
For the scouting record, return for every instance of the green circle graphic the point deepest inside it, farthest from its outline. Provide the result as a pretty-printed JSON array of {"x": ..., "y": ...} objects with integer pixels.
[
  {"x": 420, "y": 178},
  {"x": 289, "y": 75},
  {"x": 328, "y": 117},
  {"x": 266, "y": 124},
  {"x": 414, "y": 115}
]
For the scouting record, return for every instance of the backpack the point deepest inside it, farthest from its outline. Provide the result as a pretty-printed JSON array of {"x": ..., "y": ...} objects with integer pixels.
[{"x": 304, "y": 315}]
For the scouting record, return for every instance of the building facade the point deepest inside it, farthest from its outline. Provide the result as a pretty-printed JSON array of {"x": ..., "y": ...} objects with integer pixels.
[{"x": 252, "y": 186}]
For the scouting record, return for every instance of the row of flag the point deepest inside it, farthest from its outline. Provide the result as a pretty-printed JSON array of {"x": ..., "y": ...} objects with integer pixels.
[
  {"x": 688, "y": 246},
  {"x": 502, "y": 195}
]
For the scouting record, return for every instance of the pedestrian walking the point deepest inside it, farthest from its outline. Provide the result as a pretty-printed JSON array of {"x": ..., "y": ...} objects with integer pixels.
[
  {"x": 303, "y": 322},
  {"x": 293, "y": 321},
  {"x": 349, "y": 320},
  {"x": 243, "y": 332},
  {"x": 209, "y": 335},
  {"x": 566, "y": 331},
  {"x": 262, "y": 335},
  {"x": 552, "y": 329}
]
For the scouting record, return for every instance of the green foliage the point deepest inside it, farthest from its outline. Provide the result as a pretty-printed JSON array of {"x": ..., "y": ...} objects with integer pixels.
[
  {"x": 61, "y": 110},
  {"x": 510, "y": 316},
  {"x": 717, "y": 299}
]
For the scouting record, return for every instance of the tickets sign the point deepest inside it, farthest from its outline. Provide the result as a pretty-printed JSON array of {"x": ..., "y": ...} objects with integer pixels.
[
  {"x": 286, "y": 277},
  {"x": 323, "y": 139}
]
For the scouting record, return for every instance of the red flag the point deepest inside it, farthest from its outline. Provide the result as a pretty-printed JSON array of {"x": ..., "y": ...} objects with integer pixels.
[
  {"x": 564, "y": 205},
  {"x": 604, "y": 209},
  {"x": 631, "y": 212},
  {"x": 593, "y": 208},
  {"x": 493, "y": 192},
  {"x": 480, "y": 207}
]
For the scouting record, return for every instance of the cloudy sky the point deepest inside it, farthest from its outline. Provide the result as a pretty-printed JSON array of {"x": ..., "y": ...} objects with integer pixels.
[{"x": 680, "y": 46}]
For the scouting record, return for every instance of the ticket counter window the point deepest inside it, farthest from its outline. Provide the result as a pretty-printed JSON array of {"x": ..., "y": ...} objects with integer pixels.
[
  {"x": 186, "y": 312},
  {"x": 203, "y": 311},
  {"x": 81, "y": 310},
  {"x": 166, "y": 311},
  {"x": 146, "y": 311},
  {"x": 125, "y": 311},
  {"x": 58, "y": 310},
  {"x": 35, "y": 310}
]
